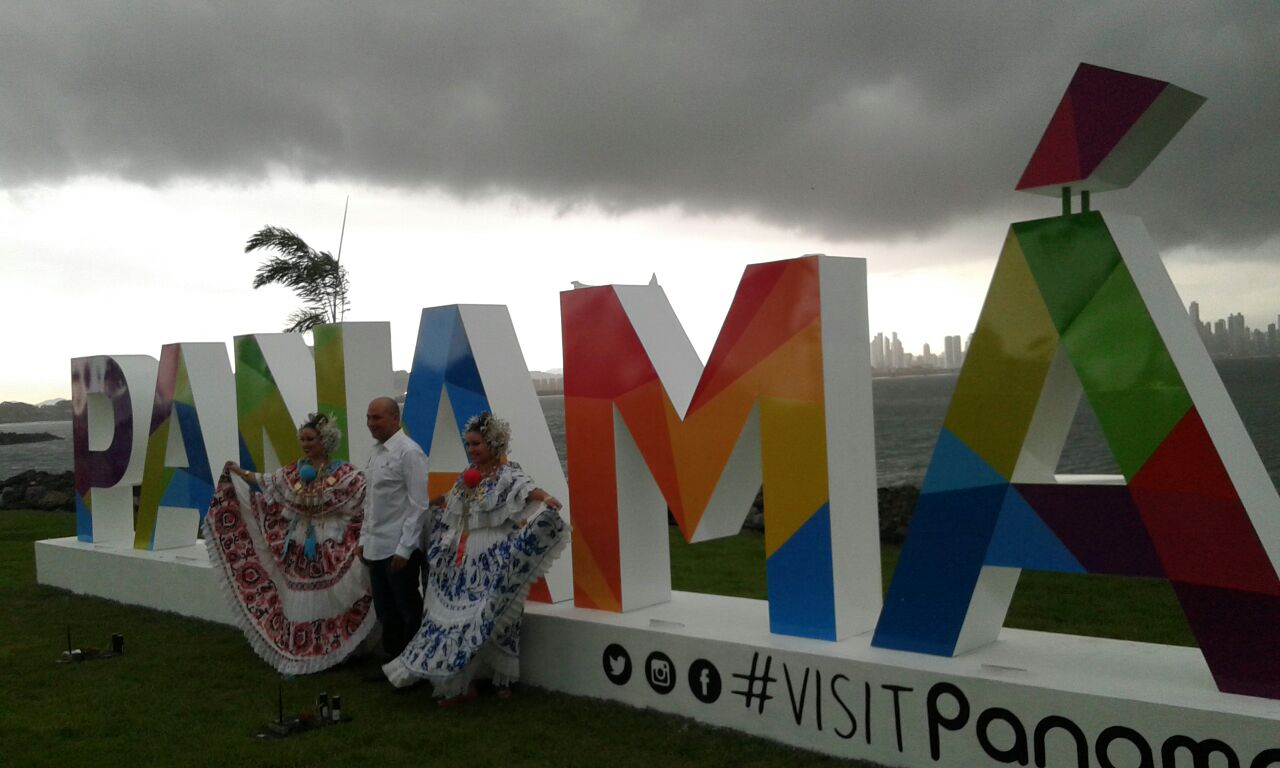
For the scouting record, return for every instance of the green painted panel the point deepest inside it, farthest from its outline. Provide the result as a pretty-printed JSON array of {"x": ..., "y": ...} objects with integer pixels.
[
  {"x": 1114, "y": 343},
  {"x": 1117, "y": 350},
  {"x": 1071, "y": 257},
  {"x": 259, "y": 407},
  {"x": 1136, "y": 421},
  {"x": 331, "y": 380},
  {"x": 1007, "y": 364}
]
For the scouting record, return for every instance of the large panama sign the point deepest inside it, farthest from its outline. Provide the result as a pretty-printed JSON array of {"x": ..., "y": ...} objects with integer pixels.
[{"x": 1079, "y": 305}]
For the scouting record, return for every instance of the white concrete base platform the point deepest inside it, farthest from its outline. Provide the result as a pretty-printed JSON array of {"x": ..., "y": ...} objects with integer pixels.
[
  {"x": 180, "y": 580},
  {"x": 1031, "y": 698}
]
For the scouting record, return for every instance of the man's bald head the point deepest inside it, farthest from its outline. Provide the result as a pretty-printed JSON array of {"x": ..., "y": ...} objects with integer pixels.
[{"x": 383, "y": 418}]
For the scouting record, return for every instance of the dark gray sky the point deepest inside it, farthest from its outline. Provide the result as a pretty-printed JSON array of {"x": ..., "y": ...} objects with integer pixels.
[{"x": 846, "y": 120}]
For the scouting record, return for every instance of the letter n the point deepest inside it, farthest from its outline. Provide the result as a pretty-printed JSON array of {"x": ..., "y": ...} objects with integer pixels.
[
  {"x": 1082, "y": 303},
  {"x": 279, "y": 381},
  {"x": 785, "y": 399}
]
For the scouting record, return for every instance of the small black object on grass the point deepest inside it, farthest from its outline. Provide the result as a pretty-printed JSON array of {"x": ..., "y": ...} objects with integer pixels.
[
  {"x": 307, "y": 720},
  {"x": 73, "y": 654}
]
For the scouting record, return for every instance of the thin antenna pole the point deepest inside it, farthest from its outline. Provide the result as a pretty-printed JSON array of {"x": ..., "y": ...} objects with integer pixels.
[{"x": 342, "y": 234}]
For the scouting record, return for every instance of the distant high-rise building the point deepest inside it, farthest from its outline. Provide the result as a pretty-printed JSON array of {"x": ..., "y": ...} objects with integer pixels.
[
  {"x": 877, "y": 351},
  {"x": 951, "y": 352},
  {"x": 1194, "y": 311},
  {"x": 897, "y": 359}
]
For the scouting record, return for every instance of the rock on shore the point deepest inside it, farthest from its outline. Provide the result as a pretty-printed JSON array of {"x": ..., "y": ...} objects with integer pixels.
[
  {"x": 18, "y": 438},
  {"x": 34, "y": 489}
]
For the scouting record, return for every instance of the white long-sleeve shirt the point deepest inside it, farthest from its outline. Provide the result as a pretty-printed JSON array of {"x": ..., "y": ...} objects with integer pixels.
[{"x": 396, "y": 498}]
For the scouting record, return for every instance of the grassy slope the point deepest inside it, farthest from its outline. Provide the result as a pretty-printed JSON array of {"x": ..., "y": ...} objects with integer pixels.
[{"x": 192, "y": 692}]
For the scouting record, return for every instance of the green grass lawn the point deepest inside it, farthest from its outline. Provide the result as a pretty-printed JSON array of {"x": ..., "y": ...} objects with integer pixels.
[{"x": 192, "y": 693}]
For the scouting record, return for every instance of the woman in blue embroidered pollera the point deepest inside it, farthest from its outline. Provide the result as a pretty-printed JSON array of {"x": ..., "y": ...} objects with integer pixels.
[
  {"x": 494, "y": 534},
  {"x": 286, "y": 554}
]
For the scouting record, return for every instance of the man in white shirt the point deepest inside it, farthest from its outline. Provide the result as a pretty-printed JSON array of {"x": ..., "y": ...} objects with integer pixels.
[{"x": 394, "y": 516}]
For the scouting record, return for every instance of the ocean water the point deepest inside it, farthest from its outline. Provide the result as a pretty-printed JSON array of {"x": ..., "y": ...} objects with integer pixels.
[
  {"x": 50, "y": 456},
  {"x": 908, "y": 416}
]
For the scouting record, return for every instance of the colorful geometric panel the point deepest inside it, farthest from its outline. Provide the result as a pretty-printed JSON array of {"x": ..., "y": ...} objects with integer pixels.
[
  {"x": 108, "y": 435},
  {"x": 353, "y": 366},
  {"x": 801, "y": 594},
  {"x": 274, "y": 393},
  {"x": 765, "y": 373},
  {"x": 467, "y": 360},
  {"x": 1180, "y": 517},
  {"x": 938, "y": 570},
  {"x": 1022, "y": 539},
  {"x": 189, "y": 483},
  {"x": 1195, "y": 517},
  {"x": 1107, "y": 129},
  {"x": 442, "y": 364},
  {"x": 192, "y": 434},
  {"x": 331, "y": 383},
  {"x": 1238, "y": 631},
  {"x": 1013, "y": 346},
  {"x": 102, "y": 377},
  {"x": 1090, "y": 293},
  {"x": 1099, "y": 526}
]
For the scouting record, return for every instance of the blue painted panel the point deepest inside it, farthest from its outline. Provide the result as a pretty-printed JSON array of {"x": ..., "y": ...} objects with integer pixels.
[
  {"x": 427, "y": 374},
  {"x": 941, "y": 560},
  {"x": 193, "y": 442},
  {"x": 801, "y": 594},
  {"x": 442, "y": 362},
  {"x": 84, "y": 520},
  {"x": 955, "y": 466},
  {"x": 1022, "y": 540},
  {"x": 185, "y": 489}
]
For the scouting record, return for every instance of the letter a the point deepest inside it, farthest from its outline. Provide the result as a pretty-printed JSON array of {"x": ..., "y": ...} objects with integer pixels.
[{"x": 1078, "y": 303}]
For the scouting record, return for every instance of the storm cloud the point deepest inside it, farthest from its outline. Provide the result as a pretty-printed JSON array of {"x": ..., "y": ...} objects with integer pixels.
[{"x": 854, "y": 121}]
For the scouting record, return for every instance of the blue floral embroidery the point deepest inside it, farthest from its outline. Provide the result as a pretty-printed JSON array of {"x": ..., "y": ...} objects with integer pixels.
[{"x": 480, "y": 600}]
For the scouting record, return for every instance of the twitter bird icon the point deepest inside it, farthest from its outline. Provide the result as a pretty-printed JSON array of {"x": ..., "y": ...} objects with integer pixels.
[{"x": 617, "y": 664}]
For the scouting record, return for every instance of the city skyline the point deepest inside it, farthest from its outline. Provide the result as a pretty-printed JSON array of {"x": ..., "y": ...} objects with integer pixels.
[{"x": 1229, "y": 336}]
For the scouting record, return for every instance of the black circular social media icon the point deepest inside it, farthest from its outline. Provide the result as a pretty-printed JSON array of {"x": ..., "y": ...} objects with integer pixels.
[
  {"x": 704, "y": 681},
  {"x": 660, "y": 672},
  {"x": 617, "y": 664}
]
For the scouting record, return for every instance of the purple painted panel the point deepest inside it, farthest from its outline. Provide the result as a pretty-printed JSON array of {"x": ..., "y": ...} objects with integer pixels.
[
  {"x": 100, "y": 375},
  {"x": 1099, "y": 524},
  {"x": 1238, "y": 633}
]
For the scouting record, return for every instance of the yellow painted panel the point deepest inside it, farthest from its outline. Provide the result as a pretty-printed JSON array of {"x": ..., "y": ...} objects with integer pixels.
[
  {"x": 1007, "y": 364},
  {"x": 795, "y": 467}
]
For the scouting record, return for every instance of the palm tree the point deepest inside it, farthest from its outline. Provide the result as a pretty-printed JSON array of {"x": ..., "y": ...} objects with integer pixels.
[{"x": 317, "y": 277}]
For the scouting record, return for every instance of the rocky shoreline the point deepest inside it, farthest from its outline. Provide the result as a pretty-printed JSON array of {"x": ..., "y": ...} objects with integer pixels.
[
  {"x": 19, "y": 438},
  {"x": 33, "y": 489}
]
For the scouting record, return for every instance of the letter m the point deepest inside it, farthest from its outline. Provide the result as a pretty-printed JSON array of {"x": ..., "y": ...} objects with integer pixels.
[{"x": 784, "y": 400}]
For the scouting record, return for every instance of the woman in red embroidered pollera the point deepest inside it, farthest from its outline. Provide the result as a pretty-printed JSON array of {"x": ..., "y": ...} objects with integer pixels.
[{"x": 285, "y": 545}]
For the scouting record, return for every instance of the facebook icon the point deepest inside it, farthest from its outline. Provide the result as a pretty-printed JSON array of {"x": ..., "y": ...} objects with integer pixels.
[{"x": 704, "y": 681}]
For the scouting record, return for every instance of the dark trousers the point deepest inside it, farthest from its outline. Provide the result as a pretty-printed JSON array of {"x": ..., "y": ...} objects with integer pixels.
[{"x": 396, "y": 601}]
